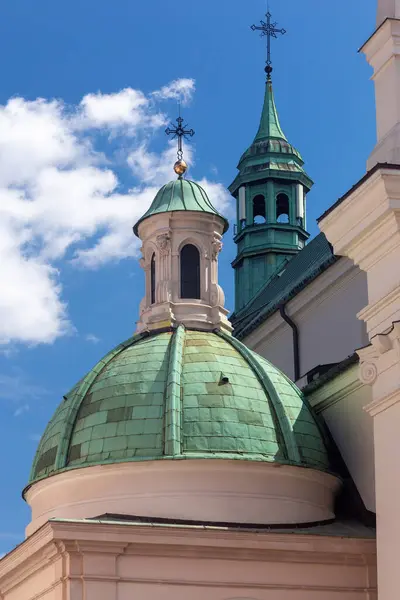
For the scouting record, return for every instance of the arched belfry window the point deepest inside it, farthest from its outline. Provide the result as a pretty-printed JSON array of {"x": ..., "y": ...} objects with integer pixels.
[
  {"x": 282, "y": 208},
  {"x": 190, "y": 272},
  {"x": 259, "y": 214},
  {"x": 153, "y": 279}
]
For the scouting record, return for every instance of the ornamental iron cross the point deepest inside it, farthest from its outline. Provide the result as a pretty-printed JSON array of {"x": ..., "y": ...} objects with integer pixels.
[
  {"x": 268, "y": 29},
  {"x": 180, "y": 132}
]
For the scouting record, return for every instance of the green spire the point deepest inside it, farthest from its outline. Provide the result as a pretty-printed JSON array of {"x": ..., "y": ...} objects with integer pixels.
[{"x": 269, "y": 124}]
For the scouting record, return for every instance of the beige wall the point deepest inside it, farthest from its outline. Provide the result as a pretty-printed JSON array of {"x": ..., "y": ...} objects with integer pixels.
[
  {"x": 341, "y": 402},
  {"x": 325, "y": 313},
  {"x": 100, "y": 561}
]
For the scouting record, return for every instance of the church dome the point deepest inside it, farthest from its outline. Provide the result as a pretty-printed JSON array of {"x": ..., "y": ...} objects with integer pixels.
[
  {"x": 181, "y": 195},
  {"x": 181, "y": 394}
]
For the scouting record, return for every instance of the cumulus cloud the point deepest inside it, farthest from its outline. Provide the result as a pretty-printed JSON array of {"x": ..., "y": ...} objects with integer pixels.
[
  {"x": 181, "y": 90},
  {"x": 62, "y": 197},
  {"x": 92, "y": 338},
  {"x": 129, "y": 109}
]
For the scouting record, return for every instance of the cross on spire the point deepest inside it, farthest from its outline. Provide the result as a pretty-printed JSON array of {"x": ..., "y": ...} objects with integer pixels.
[
  {"x": 270, "y": 30},
  {"x": 179, "y": 132}
]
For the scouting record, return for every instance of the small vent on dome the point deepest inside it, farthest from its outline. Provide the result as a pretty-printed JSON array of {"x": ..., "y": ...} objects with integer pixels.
[{"x": 224, "y": 379}]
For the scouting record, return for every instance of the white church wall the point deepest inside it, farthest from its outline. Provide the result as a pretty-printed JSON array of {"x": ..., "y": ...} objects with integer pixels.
[
  {"x": 274, "y": 340},
  {"x": 328, "y": 325},
  {"x": 125, "y": 561},
  {"x": 341, "y": 403},
  {"x": 325, "y": 314}
]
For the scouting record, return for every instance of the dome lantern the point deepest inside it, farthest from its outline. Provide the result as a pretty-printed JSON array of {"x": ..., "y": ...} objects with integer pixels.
[{"x": 182, "y": 237}]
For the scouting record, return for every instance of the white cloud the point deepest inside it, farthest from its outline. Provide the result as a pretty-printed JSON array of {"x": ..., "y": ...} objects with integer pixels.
[
  {"x": 219, "y": 196},
  {"x": 129, "y": 109},
  {"x": 92, "y": 338},
  {"x": 24, "y": 408},
  {"x": 61, "y": 197},
  {"x": 156, "y": 169},
  {"x": 181, "y": 90}
]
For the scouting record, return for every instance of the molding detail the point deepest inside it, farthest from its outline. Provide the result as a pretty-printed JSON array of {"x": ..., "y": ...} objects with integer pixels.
[
  {"x": 216, "y": 248},
  {"x": 368, "y": 373},
  {"x": 382, "y": 404},
  {"x": 164, "y": 244}
]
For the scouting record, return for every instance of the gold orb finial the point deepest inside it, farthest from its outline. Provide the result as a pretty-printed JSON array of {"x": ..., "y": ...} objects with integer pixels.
[{"x": 180, "y": 167}]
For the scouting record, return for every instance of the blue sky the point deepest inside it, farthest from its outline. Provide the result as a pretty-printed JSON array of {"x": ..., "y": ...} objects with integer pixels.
[{"x": 78, "y": 166}]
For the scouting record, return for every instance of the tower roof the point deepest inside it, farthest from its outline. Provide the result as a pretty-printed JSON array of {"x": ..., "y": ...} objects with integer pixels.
[
  {"x": 181, "y": 195},
  {"x": 181, "y": 394},
  {"x": 270, "y": 154},
  {"x": 269, "y": 123}
]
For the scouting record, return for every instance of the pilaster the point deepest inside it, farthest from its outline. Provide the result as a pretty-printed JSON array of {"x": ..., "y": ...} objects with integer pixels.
[
  {"x": 387, "y": 9},
  {"x": 382, "y": 52},
  {"x": 380, "y": 368},
  {"x": 365, "y": 226}
]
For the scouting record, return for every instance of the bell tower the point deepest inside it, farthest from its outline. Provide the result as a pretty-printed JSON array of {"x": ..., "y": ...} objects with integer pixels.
[{"x": 270, "y": 191}]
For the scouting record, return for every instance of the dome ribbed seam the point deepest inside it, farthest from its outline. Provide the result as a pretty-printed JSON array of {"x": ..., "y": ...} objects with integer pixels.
[
  {"x": 66, "y": 436},
  {"x": 173, "y": 402},
  {"x": 284, "y": 423}
]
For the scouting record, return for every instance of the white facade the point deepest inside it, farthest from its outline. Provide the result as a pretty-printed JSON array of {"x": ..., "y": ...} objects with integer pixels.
[
  {"x": 324, "y": 310},
  {"x": 387, "y": 9}
]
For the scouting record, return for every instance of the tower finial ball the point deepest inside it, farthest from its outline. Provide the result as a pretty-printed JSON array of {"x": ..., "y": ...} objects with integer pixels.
[{"x": 180, "y": 167}]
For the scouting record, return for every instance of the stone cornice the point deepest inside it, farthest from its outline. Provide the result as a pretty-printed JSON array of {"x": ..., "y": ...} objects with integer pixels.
[
  {"x": 32, "y": 555},
  {"x": 371, "y": 210},
  {"x": 59, "y": 538},
  {"x": 332, "y": 392},
  {"x": 169, "y": 539},
  {"x": 378, "y": 406},
  {"x": 372, "y": 310},
  {"x": 383, "y": 44},
  {"x": 377, "y": 359}
]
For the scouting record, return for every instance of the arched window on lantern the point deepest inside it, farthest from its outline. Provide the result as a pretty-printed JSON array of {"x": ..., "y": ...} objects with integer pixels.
[
  {"x": 282, "y": 208},
  {"x": 190, "y": 272},
  {"x": 259, "y": 214},
  {"x": 153, "y": 279}
]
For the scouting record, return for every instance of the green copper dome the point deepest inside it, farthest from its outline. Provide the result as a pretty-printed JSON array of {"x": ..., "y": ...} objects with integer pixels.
[
  {"x": 178, "y": 195},
  {"x": 181, "y": 394}
]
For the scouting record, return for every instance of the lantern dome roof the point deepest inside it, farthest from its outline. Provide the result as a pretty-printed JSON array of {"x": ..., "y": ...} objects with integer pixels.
[{"x": 181, "y": 195}]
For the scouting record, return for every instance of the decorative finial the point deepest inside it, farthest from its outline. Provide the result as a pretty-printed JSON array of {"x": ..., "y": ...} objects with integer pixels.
[
  {"x": 268, "y": 29},
  {"x": 180, "y": 132}
]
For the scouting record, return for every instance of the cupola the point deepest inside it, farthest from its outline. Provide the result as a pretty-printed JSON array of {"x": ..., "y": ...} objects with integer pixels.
[
  {"x": 181, "y": 237},
  {"x": 182, "y": 421}
]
